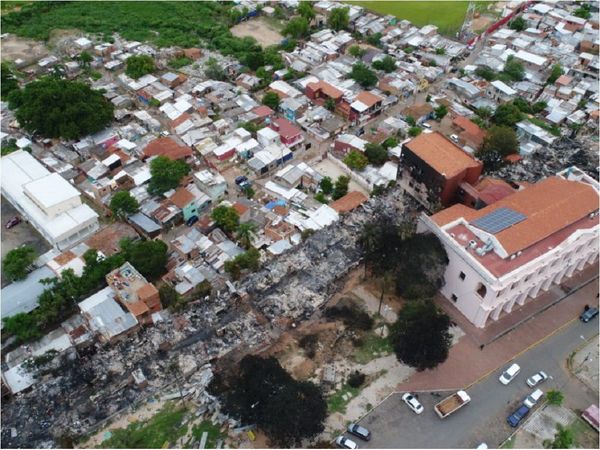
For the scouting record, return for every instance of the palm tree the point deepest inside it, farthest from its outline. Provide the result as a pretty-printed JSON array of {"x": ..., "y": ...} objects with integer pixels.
[{"x": 244, "y": 234}]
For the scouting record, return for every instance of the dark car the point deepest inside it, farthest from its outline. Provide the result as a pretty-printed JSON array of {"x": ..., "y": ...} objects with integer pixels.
[
  {"x": 588, "y": 314},
  {"x": 241, "y": 179},
  {"x": 191, "y": 221},
  {"x": 13, "y": 222},
  {"x": 515, "y": 418},
  {"x": 359, "y": 431}
]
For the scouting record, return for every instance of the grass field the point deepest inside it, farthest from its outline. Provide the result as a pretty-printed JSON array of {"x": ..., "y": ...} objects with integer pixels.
[{"x": 447, "y": 16}]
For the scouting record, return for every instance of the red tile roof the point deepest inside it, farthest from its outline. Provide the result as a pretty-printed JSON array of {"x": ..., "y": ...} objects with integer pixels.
[
  {"x": 263, "y": 111},
  {"x": 182, "y": 197},
  {"x": 349, "y": 202},
  {"x": 327, "y": 89},
  {"x": 368, "y": 98},
  {"x": 441, "y": 154},
  {"x": 471, "y": 131},
  {"x": 166, "y": 146},
  {"x": 285, "y": 128}
]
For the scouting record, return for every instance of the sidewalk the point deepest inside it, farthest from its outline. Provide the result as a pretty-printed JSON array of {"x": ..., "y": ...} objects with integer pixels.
[{"x": 467, "y": 362}]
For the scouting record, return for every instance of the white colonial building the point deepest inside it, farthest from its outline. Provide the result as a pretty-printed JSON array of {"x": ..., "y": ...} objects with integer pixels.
[
  {"x": 511, "y": 250},
  {"x": 48, "y": 201}
]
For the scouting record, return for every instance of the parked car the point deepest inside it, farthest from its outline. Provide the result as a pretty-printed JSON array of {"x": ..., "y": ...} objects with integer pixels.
[
  {"x": 13, "y": 222},
  {"x": 536, "y": 379},
  {"x": 241, "y": 179},
  {"x": 191, "y": 221},
  {"x": 588, "y": 314},
  {"x": 344, "y": 442},
  {"x": 515, "y": 418},
  {"x": 509, "y": 374},
  {"x": 531, "y": 400},
  {"x": 454, "y": 138},
  {"x": 413, "y": 403},
  {"x": 359, "y": 431},
  {"x": 426, "y": 126}
]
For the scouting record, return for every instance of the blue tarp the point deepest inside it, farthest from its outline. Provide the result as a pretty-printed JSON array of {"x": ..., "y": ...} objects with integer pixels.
[{"x": 275, "y": 203}]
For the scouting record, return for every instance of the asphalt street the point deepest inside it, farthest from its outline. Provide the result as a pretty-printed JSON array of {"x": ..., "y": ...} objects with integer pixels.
[{"x": 393, "y": 425}]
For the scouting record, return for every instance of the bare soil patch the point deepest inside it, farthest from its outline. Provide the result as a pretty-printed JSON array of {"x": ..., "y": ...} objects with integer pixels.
[
  {"x": 28, "y": 50},
  {"x": 260, "y": 29}
]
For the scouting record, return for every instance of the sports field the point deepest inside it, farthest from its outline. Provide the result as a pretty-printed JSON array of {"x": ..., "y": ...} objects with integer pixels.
[{"x": 448, "y": 16}]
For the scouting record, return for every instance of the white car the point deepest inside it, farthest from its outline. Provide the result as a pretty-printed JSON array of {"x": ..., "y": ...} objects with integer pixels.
[
  {"x": 509, "y": 374},
  {"x": 344, "y": 442},
  {"x": 454, "y": 138},
  {"x": 536, "y": 379},
  {"x": 531, "y": 400},
  {"x": 412, "y": 403}
]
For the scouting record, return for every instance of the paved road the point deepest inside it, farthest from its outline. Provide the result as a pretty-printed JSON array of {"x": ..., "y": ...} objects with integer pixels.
[{"x": 393, "y": 425}]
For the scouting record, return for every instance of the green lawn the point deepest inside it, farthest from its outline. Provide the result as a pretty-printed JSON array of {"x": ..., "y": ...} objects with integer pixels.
[
  {"x": 448, "y": 16},
  {"x": 373, "y": 346},
  {"x": 214, "y": 433},
  {"x": 337, "y": 403},
  {"x": 585, "y": 435}
]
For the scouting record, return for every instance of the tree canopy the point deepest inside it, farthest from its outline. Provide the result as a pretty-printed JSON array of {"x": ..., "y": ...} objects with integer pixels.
[
  {"x": 305, "y": 9},
  {"x": 420, "y": 336},
  {"x": 123, "y": 204},
  {"x": 226, "y": 218},
  {"x": 261, "y": 392},
  {"x": 556, "y": 72},
  {"x": 376, "y": 154},
  {"x": 518, "y": 24},
  {"x": 363, "y": 75},
  {"x": 563, "y": 438},
  {"x": 249, "y": 260},
  {"x": 326, "y": 185},
  {"x": 499, "y": 142},
  {"x": 148, "y": 257},
  {"x": 440, "y": 112},
  {"x": 341, "y": 187},
  {"x": 213, "y": 70},
  {"x": 17, "y": 261},
  {"x": 166, "y": 174},
  {"x": 271, "y": 99},
  {"x": 356, "y": 51},
  {"x": 9, "y": 81},
  {"x": 56, "y": 108},
  {"x": 507, "y": 114},
  {"x": 139, "y": 65},
  {"x": 338, "y": 19},
  {"x": 387, "y": 64},
  {"x": 356, "y": 160},
  {"x": 297, "y": 28}
]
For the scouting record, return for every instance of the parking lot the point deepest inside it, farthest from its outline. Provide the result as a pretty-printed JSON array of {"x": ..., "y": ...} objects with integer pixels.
[
  {"x": 394, "y": 425},
  {"x": 22, "y": 234}
]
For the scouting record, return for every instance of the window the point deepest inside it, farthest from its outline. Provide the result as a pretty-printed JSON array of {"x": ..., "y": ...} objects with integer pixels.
[
  {"x": 454, "y": 298},
  {"x": 481, "y": 290},
  {"x": 462, "y": 276}
]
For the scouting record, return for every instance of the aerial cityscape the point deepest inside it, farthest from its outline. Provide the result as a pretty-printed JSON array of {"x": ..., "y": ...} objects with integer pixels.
[{"x": 297, "y": 224}]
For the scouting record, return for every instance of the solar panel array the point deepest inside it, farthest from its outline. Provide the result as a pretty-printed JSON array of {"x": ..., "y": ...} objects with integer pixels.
[{"x": 498, "y": 220}]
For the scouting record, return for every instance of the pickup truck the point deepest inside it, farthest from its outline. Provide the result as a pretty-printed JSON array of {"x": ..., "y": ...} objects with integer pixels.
[{"x": 451, "y": 404}]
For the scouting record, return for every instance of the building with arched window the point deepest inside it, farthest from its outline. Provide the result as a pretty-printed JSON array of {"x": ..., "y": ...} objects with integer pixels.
[{"x": 511, "y": 250}]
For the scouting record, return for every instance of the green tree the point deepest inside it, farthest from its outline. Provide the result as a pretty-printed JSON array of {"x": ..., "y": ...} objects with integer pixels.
[
  {"x": 499, "y": 142},
  {"x": 485, "y": 113},
  {"x": 249, "y": 260},
  {"x": 583, "y": 11},
  {"x": 440, "y": 51},
  {"x": 555, "y": 397},
  {"x": 168, "y": 296},
  {"x": 390, "y": 142},
  {"x": 420, "y": 336},
  {"x": 507, "y": 114},
  {"x": 556, "y": 72},
  {"x": 564, "y": 437},
  {"x": 486, "y": 73},
  {"x": 538, "y": 107},
  {"x": 326, "y": 185},
  {"x": 356, "y": 51},
  {"x": 9, "y": 81},
  {"x": 166, "y": 174},
  {"x": 374, "y": 39},
  {"x": 226, "y": 218},
  {"x": 411, "y": 121},
  {"x": 440, "y": 112},
  {"x": 271, "y": 99},
  {"x": 338, "y": 19},
  {"x": 23, "y": 326},
  {"x": 261, "y": 392},
  {"x": 17, "y": 261},
  {"x": 356, "y": 160},
  {"x": 57, "y": 108},
  {"x": 178, "y": 63},
  {"x": 387, "y": 64},
  {"x": 513, "y": 69},
  {"x": 363, "y": 75},
  {"x": 376, "y": 154},
  {"x": 329, "y": 104},
  {"x": 244, "y": 234},
  {"x": 213, "y": 70},
  {"x": 147, "y": 256},
  {"x": 139, "y": 65},
  {"x": 320, "y": 197},
  {"x": 305, "y": 9},
  {"x": 522, "y": 104},
  {"x": 85, "y": 59},
  {"x": 414, "y": 131},
  {"x": 341, "y": 187},
  {"x": 122, "y": 204},
  {"x": 296, "y": 28},
  {"x": 249, "y": 192},
  {"x": 518, "y": 24}
]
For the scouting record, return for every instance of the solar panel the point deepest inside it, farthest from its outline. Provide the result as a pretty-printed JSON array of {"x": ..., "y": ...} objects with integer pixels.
[{"x": 498, "y": 220}]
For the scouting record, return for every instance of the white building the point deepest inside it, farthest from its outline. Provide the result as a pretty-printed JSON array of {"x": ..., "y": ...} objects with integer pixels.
[
  {"x": 511, "y": 250},
  {"x": 49, "y": 202}
]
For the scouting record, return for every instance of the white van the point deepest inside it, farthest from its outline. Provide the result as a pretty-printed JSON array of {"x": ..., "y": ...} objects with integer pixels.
[
  {"x": 509, "y": 374},
  {"x": 532, "y": 399}
]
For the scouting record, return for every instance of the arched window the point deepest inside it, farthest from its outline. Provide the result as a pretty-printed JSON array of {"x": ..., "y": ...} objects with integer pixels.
[{"x": 481, "y": 290}]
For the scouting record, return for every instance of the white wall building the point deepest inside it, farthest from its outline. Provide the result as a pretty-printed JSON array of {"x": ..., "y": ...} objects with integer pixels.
[
  {"x": 48, "y": 201},
  {"x": 517, "y": 247}
]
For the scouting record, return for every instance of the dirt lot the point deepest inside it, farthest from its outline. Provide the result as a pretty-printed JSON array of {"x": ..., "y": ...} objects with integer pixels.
[
  {"x": 329, "y": 169},
  {"x": 261, "y": 29},
  {"x": 19, "y": 235},
  {"x": 28, "y": 50}
]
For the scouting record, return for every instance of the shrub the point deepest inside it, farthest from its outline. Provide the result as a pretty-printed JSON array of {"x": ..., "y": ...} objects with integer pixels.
[{"x": 356, "y": 379}]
